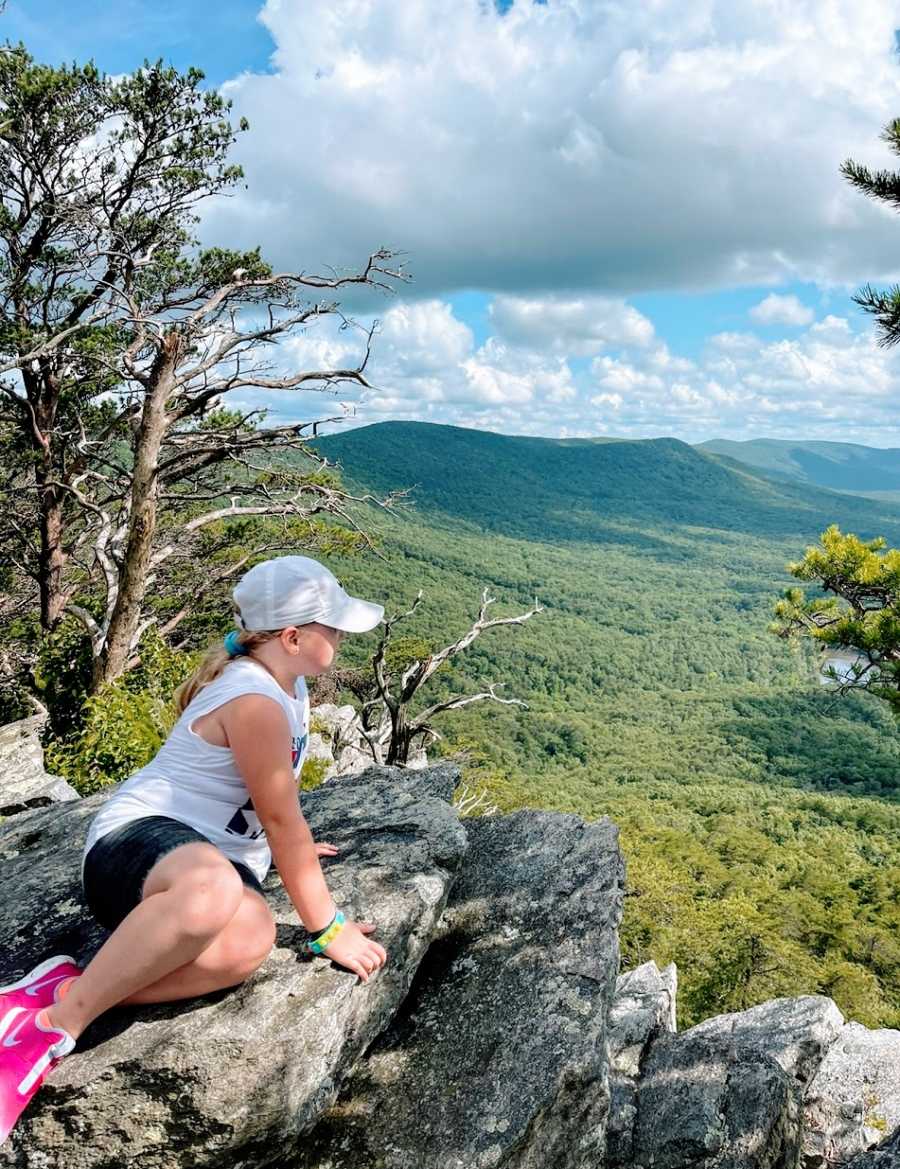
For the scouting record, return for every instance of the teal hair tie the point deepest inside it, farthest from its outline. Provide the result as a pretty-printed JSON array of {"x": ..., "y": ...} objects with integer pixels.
[{"x": 234, "y": 647}]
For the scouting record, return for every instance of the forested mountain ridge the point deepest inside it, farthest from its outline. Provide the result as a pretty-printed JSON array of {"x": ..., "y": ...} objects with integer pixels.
[
  {"x": 839, "y": 466},
  {"x": 582, "y": 489},
  {"x": 760, "y": 814}
]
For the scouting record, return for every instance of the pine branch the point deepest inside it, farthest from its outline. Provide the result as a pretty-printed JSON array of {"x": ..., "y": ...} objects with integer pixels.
[
  {"x": 885, "y": 308},
  {"x": 879, "y": 184}
]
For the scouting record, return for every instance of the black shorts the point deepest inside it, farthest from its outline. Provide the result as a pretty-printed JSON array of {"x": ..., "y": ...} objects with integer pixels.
[{"x": 117, "y": 865}]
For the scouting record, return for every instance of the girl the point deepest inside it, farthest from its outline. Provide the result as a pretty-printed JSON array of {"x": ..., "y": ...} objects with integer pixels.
[{"x": 174, "y": 859}]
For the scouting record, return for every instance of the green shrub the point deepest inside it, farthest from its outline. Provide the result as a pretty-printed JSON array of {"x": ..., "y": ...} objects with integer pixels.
[
  {"x": 62, "y": 675},
  {"x": 403, "y": 651},
  {"x": 313, "y": 773},
  {"x": 122, "y": 726},
  {"x": 121, "y": 733},
  {"x": 320, "y": 726},
  {"x": 161, "y": 669}
]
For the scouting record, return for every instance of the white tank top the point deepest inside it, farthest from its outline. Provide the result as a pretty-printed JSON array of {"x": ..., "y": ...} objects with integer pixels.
[{"x": 198, "y": 783}]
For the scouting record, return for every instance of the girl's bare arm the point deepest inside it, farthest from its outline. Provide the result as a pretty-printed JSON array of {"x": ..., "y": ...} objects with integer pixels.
[{"x": 260, "y": 740}]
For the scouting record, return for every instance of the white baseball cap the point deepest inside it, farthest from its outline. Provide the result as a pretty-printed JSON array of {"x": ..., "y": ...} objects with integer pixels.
[{"x": 295, "y": 590}]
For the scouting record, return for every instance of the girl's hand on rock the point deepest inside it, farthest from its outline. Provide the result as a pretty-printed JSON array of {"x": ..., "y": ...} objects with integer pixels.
[
  {"x": 354, "y": 951},
  {"x": 324, "y": 849}
]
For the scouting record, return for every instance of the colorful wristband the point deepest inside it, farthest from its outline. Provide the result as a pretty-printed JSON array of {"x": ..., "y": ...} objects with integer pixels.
[
  {"x": 327, "y": 936},
  {"x": 313, "y": 934}
]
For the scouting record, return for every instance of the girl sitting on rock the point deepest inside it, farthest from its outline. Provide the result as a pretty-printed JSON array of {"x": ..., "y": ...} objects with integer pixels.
[{"x": 174, "y": 859}]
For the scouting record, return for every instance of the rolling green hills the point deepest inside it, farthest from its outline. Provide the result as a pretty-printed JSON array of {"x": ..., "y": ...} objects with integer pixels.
[
  {"x": 760, "y": 814},
  {"x": 839, "y": 466},
  {"x": 583, "y": 489}
]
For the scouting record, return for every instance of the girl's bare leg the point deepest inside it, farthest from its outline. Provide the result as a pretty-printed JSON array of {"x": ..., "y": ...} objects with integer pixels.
[
  {"x": 190, "y": 897},
  {"x": 231, "y": 958}
]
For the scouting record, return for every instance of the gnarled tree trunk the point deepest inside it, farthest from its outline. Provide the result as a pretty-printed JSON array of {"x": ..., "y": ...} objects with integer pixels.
[{"x": 132, "y": 585}]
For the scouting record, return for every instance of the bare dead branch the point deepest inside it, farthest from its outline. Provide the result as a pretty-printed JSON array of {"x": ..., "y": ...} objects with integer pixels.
[
  {"x": 421, "y": 721},
  {"x": 389, "y": 727}
]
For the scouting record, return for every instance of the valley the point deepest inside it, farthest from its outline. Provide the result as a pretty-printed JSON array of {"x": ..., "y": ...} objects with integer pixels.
[{"x": 759, "y": 811}]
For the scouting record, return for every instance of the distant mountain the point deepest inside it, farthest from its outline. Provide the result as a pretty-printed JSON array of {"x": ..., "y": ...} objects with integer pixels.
[
  {"x": 588, "y": 489},
  {"x": 840, "y": 466},
  {"x": 655, "y": 693}
]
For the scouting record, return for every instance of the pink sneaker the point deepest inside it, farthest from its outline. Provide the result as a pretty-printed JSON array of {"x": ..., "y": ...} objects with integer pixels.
[
  {"x": 39, "y": 988},
  {"x": 29, "y": 1051}
]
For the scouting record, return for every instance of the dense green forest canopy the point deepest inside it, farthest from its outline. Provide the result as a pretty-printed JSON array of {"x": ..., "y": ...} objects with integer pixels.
[{"x": 759, "y": 811}]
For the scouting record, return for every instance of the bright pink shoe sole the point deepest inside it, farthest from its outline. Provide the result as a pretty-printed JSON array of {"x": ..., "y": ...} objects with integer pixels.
[{"x": 29, "y": 1051}]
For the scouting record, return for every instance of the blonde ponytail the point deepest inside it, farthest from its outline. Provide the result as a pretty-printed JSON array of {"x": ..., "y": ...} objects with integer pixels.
[{"x": 214, "y": 662}]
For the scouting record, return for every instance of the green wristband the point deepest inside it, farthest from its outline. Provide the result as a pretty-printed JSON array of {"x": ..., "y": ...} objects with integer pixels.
[{"x": 327, "y": 936}]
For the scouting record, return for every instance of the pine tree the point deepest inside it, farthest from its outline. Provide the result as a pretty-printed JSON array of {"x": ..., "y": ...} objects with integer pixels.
[
  {"x": 862, "y": 614},
  {"x": 884, "y": 305}
]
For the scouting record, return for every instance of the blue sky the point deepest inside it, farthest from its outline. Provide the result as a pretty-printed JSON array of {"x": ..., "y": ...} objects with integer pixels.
[
  {"x": 620, "y": 220},
  {"x": 119, "y": 37}
]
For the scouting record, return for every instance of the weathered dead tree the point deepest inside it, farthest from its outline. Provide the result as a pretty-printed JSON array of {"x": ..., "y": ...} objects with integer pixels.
[
  {"x": 123, "y": 343},
  {"x": 389, "y": 726},
  {"x": 196, "y": 464}
]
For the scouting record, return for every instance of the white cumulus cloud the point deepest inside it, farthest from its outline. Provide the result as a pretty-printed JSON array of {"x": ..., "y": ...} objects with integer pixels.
[
  {"x": 425, "y": 337},
  {"x": 575, "y": 144},
  {"x": 782, "y": 310},
  {"x": 826, "y": 380},
  {"x": 580, "y": 326}
]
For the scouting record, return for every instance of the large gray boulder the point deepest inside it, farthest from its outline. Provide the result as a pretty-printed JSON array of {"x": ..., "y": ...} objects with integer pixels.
[
  {"x": 702, "y": 1103},
  {"x": 232, "y": 1079},
  {"x": 854, "y": 1099},
  {"x": 337, "y": 735},
  {"x": 498, "y": 1057},
  {"x": 24, "y": 784},
  {"x": 795, "y": 1032},
  {"x": 337, "y": 729},
  {"x": 728, "y": 1091},
  {"x": 339, "y": 724}
]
